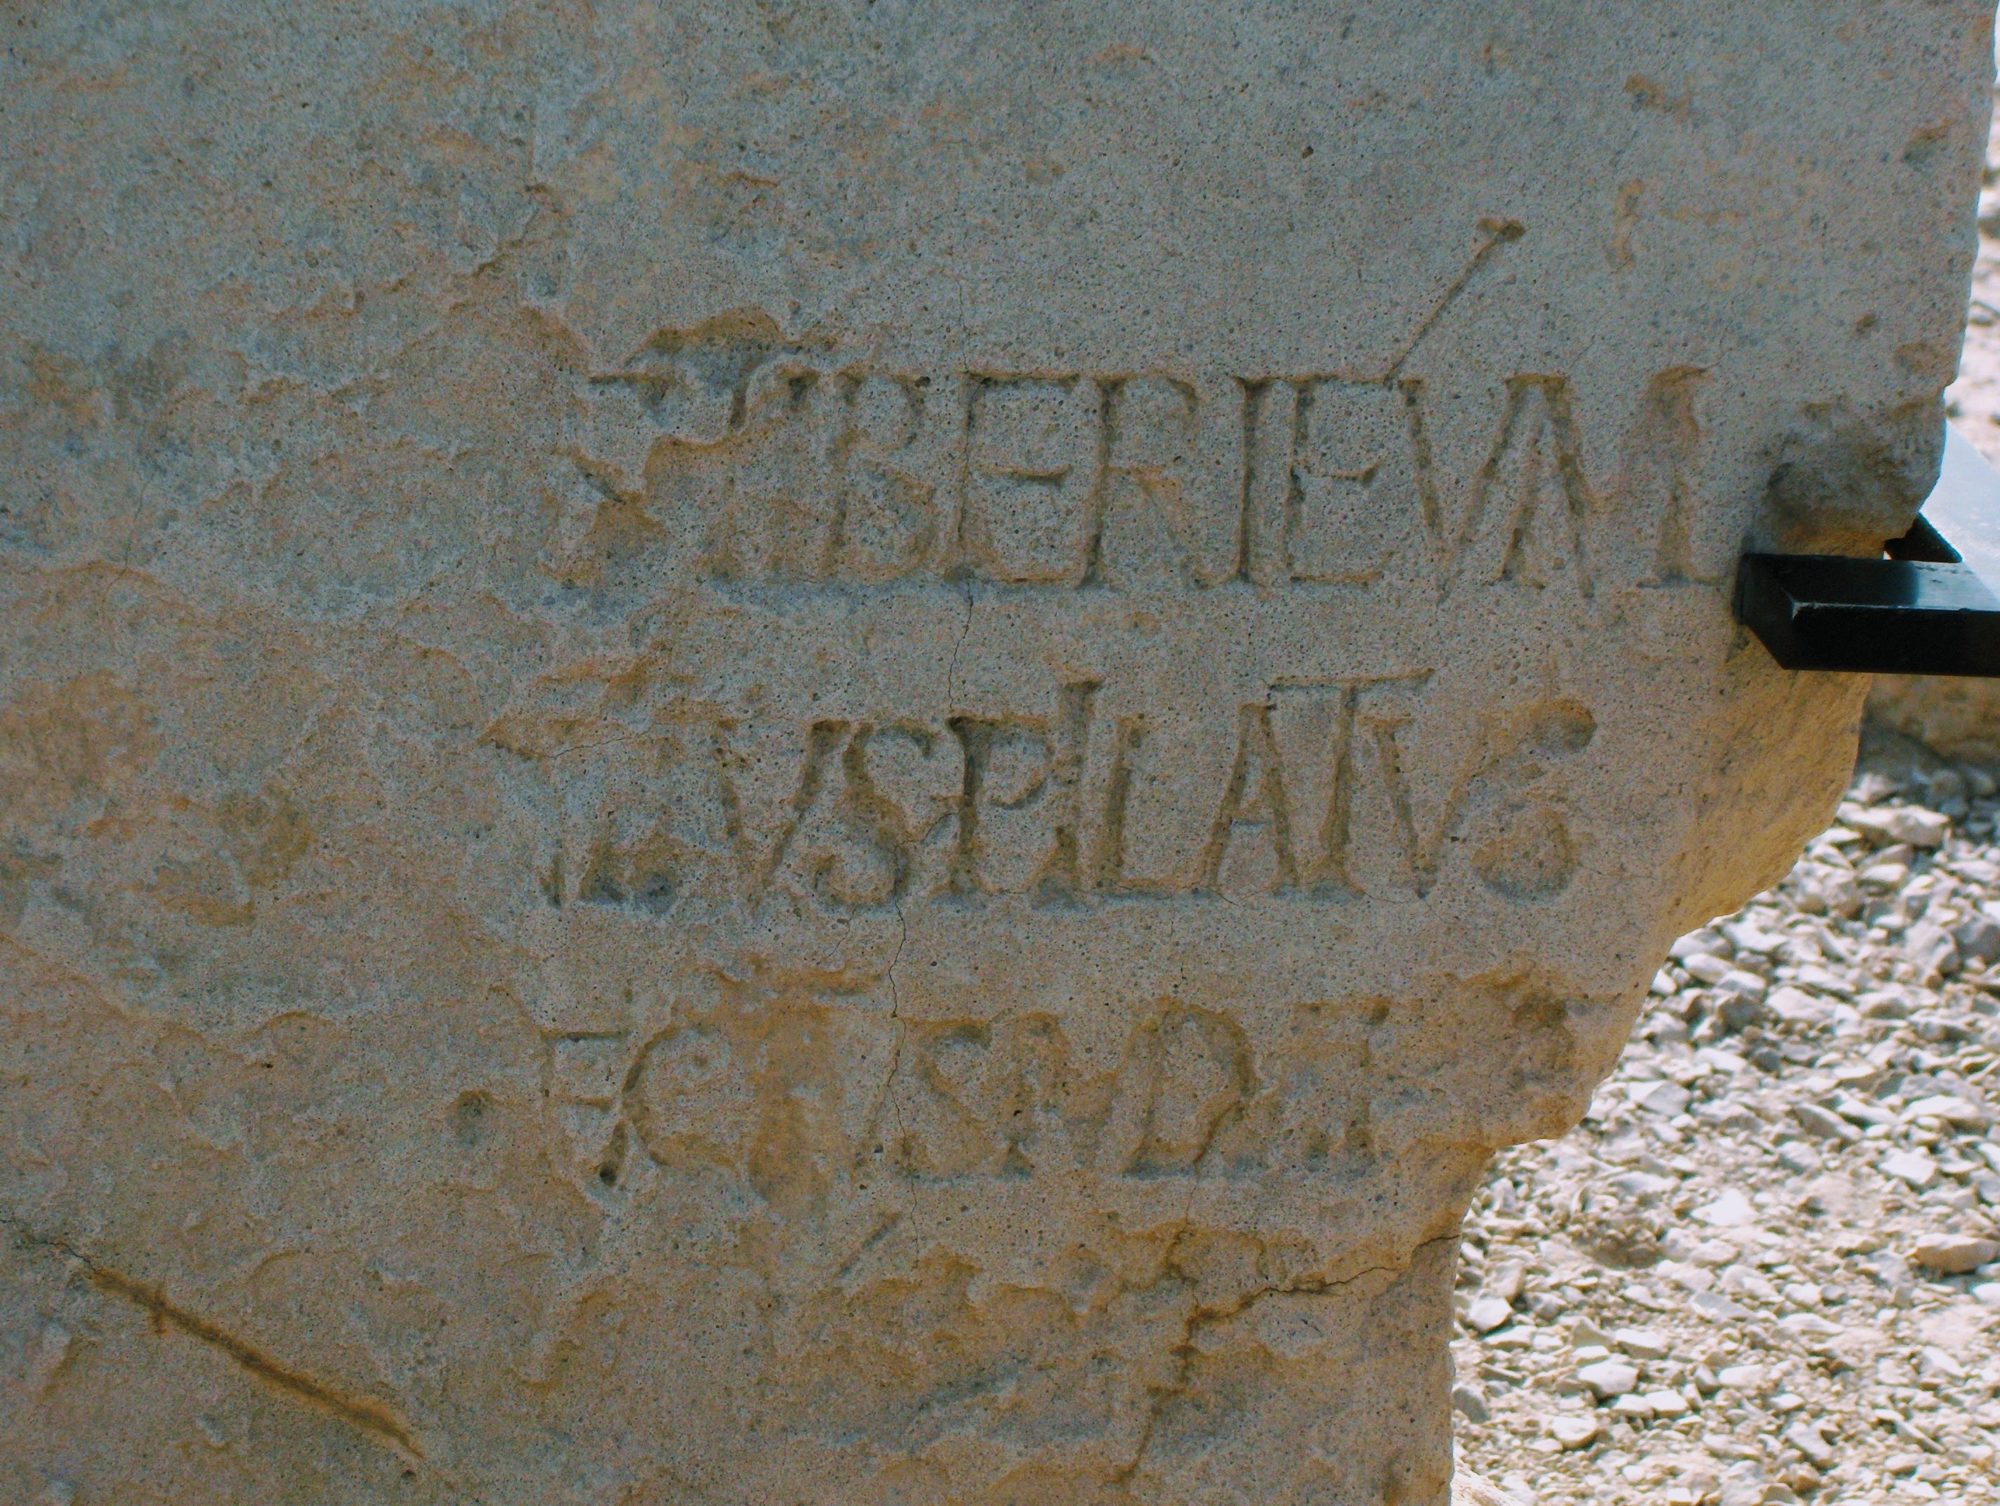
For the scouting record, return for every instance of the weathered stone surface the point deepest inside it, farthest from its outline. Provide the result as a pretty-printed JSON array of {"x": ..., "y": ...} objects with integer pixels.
[
  {"x": 857, "y": 753},
  {"x": 1955, "y": 718}
]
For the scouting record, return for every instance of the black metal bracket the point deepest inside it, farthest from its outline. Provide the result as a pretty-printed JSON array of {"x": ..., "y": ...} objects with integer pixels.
[{"x": 1931, "y": 607}]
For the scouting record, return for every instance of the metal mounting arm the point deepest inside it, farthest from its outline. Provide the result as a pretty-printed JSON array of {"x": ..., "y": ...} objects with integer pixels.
[{"x": 1931, "y": 607}]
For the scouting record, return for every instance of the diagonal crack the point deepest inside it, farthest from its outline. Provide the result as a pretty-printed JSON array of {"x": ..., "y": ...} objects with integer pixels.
[
  {"x": 1199, "y": 1317},
  {"x": 364, "y": 1413}
]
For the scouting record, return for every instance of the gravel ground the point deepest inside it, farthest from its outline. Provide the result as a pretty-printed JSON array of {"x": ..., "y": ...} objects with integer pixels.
[{"x": 1767, "y": 1266}]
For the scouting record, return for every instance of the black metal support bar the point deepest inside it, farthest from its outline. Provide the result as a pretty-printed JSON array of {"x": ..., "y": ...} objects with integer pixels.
[{"x": 1932, "y": 607}]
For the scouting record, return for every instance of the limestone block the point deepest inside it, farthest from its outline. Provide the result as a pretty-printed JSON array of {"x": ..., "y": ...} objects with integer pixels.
[
  {"x": 856, "y": 753},
  {"x": 1956, "y": 718}
]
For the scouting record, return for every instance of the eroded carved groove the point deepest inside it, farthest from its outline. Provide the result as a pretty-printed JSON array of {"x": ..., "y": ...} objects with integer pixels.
[{"x": 364, "y": 1413}]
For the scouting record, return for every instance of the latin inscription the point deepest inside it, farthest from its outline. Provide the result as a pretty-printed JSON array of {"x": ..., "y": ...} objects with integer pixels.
[
  {"x": 1006, "y": 1097},
  {"x": 1324, "y": 793},
  {"x": 780, "y": 477},
  {"x": 770, "y": 464}
]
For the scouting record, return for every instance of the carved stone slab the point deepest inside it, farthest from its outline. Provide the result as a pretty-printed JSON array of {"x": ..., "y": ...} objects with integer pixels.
[{"x": 856, "y": 753}]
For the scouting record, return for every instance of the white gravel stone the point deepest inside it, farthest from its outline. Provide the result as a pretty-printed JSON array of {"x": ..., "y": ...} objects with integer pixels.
[
  {"x": 1808, "y": 1440},
  {"x": 1954, "y": 1254},
  {"x": 1731, "y": 1210},
  {"x": 1815, "y": 1120},
  {"x": 1796, "y": 1155},
  {"x": 1609, "y": 1378},
  {"x": 1743, "y": 984},
  {"x": 1931, "y": 950},
  {"x": 1507, "y": 1279},
  {"x": 1663, "y": 1098},
  {"x": 1574, "y": 1430},
  {"x": 1911, "y": 1166},
  {"x": 1697, "y": 942},
  {"x": 1794, "y": 1006},
  {"x": 1906, "y": 823},
  {"x": 1960, "y": 1113},
  {"x": 1978, "y": 938},
  {"x": 1707, "y": 967},
  {"x": 1643, "y": 1343}
]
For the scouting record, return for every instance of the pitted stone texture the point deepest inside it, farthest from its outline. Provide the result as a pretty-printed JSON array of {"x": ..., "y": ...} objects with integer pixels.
[{"x": 856, "y": 753}]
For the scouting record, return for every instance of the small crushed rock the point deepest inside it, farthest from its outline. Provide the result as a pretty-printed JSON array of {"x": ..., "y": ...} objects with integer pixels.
[{"x": 1766, "y": 1268}]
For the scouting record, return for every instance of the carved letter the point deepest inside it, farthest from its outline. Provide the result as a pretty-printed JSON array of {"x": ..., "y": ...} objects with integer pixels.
[
  {"x": 1352, "y": 505},
  {"x": 890, "y": 456},
  {"x": 1020, "y": 811},
  {"x": 1254, "y": 797},
  {"x": 1528, "y": 511},
  {"x": 756, "y": 866},
  {"x": 1347, "y": 740},
  {"x": 1172, "y": 485},
  {"x": 1031, "y": 479}
]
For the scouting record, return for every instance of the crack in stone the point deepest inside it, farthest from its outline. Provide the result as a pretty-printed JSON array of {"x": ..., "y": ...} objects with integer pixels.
[
  {"x": 360, "y": 1412},
  {"x": 951, "y": 673},
  {"x": 1200, "y": 1317}
]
